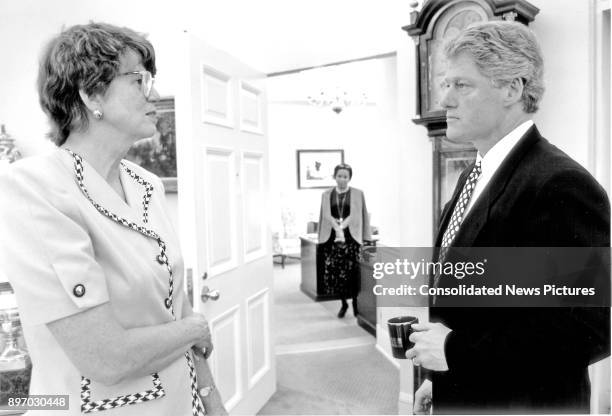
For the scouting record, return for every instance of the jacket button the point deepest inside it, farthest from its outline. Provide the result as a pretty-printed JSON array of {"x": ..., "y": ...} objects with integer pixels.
[
  {"x": 168, "y": 303},
  {"x": 160, "y": 259},
  {"x": 79, "y": 290}
]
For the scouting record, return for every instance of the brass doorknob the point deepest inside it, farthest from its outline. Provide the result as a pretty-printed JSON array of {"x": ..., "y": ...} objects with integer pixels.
[{"x": 209, "y": 294}]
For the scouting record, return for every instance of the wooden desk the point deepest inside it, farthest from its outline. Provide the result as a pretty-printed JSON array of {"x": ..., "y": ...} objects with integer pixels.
[
  {"x": 366, "y": 300},
  {"x": 313, "y": 286},
  {"x": 312, "y": 269}
]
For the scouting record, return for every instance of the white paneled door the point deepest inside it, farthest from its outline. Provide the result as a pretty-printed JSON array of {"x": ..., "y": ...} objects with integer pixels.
[{"x": 223, "y": 182}]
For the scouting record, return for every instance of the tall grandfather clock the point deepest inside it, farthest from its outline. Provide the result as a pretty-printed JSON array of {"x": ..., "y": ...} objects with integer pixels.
[{"x": 437, "y": 22}]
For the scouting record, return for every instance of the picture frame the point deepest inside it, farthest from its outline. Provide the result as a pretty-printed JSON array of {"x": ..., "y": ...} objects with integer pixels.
[
  {"x": 157, "y": 154},
  {"x": 315, "y": 168}
]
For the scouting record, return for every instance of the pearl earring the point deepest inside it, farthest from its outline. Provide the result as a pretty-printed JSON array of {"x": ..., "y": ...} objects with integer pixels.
[{"x": 97, "y": 114}]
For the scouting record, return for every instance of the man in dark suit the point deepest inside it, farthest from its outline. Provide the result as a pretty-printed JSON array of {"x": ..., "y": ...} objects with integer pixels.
[{"x": 521, "y": 192}]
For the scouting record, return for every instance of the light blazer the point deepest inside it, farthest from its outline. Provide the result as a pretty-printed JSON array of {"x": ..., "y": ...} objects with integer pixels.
[
  {"x": 358, "y": 220},
  {"x": 54, "y": 240}
]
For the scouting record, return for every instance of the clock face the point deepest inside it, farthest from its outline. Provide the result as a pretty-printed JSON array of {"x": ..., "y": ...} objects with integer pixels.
[{"x": 450, "y": 23}]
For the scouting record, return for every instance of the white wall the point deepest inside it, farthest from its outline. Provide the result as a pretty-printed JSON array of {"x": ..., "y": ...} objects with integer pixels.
[
  {"x": 368, "y": 135},
  {"x": 602, "y": 149},
  {"x": 416, "y": 171},
  {"x": 564, "y": 30}
]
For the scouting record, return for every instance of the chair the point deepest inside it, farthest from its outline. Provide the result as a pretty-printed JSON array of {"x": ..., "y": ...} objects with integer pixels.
[
  {"x": 286, "y": 248},
  {"x": 286, "y": 244}
]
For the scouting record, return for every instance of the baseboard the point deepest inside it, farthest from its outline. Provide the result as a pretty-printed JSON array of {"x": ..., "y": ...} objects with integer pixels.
[{"x": 387, "y": 356}]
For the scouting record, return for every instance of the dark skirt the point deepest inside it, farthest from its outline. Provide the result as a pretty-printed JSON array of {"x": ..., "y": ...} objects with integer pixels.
[{"x": 341, "y": 266}]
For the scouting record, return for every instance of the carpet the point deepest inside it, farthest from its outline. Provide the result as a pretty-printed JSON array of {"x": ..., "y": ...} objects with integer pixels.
[
  {"x": 325, "y": 365},
  {"x": 350, "y": 381},
  {"x": 297, "y": 319}
]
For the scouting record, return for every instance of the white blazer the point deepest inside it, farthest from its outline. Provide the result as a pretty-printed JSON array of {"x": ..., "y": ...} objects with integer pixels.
[{"x": 62, "y": 257}]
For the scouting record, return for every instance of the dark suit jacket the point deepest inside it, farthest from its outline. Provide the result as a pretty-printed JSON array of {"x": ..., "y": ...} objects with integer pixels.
[{"x": 525, "y": 360}]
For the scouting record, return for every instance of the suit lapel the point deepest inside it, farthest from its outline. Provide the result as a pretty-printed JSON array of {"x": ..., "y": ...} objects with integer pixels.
[
  {"x": 479, "y": 214},
  {"x": 102, "y": 193}
]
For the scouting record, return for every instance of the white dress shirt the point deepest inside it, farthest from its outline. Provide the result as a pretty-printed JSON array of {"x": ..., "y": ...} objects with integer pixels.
[{"x": 493, "y": 160}]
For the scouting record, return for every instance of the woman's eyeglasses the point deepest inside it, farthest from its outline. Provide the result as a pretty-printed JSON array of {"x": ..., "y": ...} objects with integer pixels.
[{"x": 147, "y": 80}]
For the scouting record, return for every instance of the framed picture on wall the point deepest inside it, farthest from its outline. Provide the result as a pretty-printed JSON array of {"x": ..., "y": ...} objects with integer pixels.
[
  {"x": 315, "y": 168},
  {"x": 157, "y": 154}
]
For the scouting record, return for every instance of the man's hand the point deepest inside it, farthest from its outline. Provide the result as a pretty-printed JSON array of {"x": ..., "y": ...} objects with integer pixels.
[
  {"x": 428, "y": 348},
  {"x": 422, "y": 399}
]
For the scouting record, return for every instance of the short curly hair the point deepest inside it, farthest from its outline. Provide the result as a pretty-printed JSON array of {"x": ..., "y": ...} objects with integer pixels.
[
  {"x": 504, "y": 51},
  {"x": 83, "y": 57}
]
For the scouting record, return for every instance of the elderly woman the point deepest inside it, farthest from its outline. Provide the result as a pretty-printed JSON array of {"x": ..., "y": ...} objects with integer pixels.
[
  {"x": 89, "y": 248},
  {"x": 344, "y": 224}
]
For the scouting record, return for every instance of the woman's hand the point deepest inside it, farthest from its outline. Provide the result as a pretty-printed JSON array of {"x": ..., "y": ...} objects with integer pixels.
[
  {"x": 339, "y": 235},
  {"x": 103, "y": 350},
  {"x": 201, "y": 328},
  {"x": 338, "y": 228},
  {"x": 345, "y": 223}
]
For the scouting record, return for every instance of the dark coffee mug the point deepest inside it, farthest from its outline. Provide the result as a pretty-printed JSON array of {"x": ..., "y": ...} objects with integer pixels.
[{"x": 400, "y": 329}]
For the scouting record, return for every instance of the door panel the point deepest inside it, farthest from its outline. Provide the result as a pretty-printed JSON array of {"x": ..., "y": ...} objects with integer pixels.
[
  {"x": 226, "y": 367},
  {"x": 220, "y": 209},
  {"x": 258, "y": 336},
  {"x": 250, "y": 109},
  {"x": 216, "y": 97},
  {"x": 254, "y": 204},
  {"x": 223, "y": 180}
]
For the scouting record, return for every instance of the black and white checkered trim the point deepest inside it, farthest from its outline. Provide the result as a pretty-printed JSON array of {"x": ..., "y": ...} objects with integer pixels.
[
  {"x": 146, "y": 198},
  {"x": 197, "y": 407},
  {"x": 88, "y": 406}
]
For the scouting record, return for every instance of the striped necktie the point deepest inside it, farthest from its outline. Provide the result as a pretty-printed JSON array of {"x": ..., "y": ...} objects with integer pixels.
[{"x": 457, "y": 218}]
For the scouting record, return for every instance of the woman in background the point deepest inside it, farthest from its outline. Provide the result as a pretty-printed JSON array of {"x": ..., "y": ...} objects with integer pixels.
[
  {"x": 89, "y": 248},
  {"x": 343, "y": 225}
]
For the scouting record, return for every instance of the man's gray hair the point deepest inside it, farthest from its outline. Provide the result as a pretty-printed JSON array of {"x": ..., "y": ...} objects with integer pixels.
[{"x": 504, "y": 51}]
